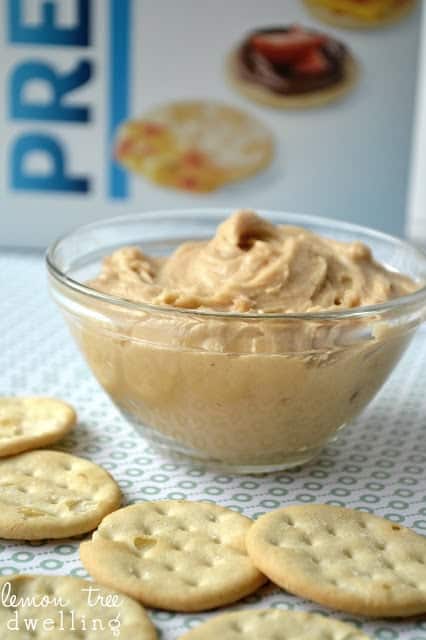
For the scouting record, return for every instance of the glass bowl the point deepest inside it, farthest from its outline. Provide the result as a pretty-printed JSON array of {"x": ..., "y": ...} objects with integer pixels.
[{"x": 248, "y": 392}]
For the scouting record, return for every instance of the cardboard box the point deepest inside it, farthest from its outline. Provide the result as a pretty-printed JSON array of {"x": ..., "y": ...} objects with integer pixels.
[
  {"x": 416, "y": 219},
  {"x": 73, "y": 71}
]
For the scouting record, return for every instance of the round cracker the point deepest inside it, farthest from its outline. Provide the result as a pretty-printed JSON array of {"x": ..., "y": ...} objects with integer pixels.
[
  {"x": 50, "y": 494},
  {"x": 274, "y": 624},
  {"x": 175, "y": 555},
  {"x": 235, "y": 144},
  {"x": 317, "y": 98},
  {"x": 342, "y": 558},
  {"x": 33, "y": 422},
  {"x": 349, "y": 22},
  {"x": 122, "y": 617}
]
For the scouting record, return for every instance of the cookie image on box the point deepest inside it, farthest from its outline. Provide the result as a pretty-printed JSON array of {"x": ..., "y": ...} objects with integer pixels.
[
  {"x": 292, "y": 67},
  {"x": 360, "y": 14},
  {"x": 196, "y": 145}
]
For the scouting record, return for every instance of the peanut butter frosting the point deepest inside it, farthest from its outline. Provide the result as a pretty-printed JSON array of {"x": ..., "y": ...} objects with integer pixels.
[{"x": 251, "y": 265}]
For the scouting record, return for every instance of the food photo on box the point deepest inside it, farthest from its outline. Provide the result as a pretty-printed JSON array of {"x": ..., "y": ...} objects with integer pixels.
[{"x": 212, "y": 345}]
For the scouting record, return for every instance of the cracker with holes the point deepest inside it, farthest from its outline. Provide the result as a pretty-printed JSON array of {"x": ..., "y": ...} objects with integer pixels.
[
  {"x": 342, "y": 558},
  {"x": 175, "y": 555},
  {"x": 50, "y": 494},
  {"x": 273, "y": 624},
  {"x": 68, "y": 608},
  {"x": 33, "y": 422},
  {"x": 194, "y": 145}
]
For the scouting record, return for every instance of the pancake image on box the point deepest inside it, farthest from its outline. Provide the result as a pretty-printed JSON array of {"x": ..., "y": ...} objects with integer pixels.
[
  {"x": 291, "y": 67},
  {"x": 196, "y": 146},
  {"x": 360, "y": 14}
]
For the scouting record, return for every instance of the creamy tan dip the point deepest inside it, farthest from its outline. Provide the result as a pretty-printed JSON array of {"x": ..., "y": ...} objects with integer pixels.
[
  {"x": 251, "y": 392},
  {"x": 252, "y": 265}
]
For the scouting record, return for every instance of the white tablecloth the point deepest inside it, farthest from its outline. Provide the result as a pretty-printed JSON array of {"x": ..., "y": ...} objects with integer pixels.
[{"x": 378, "y": 463}]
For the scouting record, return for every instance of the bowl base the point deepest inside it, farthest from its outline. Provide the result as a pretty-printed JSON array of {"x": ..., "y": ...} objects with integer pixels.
[
  {"x": 182, "y": 454},
  {"x": 290, "y": 462}
]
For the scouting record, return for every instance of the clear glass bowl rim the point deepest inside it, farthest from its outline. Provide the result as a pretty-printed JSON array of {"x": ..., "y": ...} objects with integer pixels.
[{"x": 417, "y": 298}]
